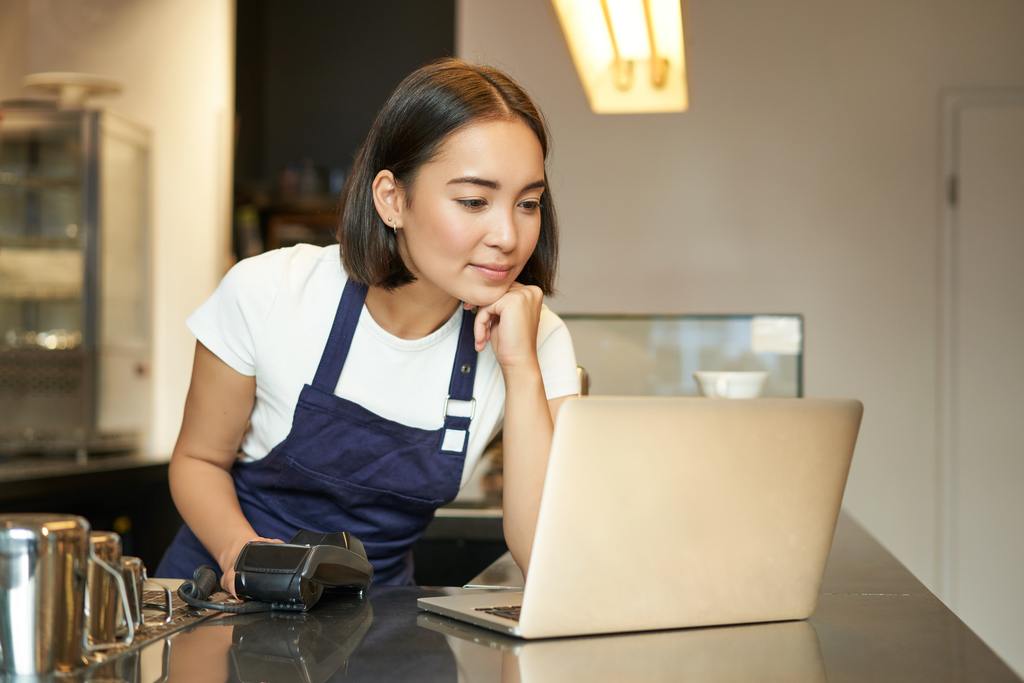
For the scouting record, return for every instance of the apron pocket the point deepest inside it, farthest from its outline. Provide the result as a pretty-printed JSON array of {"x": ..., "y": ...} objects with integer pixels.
[{"x": 296, "y": 475}]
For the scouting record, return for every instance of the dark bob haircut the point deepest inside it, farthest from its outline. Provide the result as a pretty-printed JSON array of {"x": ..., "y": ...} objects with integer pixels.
[{"x": 430, "y": 104}]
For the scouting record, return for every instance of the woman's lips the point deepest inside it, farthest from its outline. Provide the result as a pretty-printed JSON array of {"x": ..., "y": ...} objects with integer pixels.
[{"x": 492, "y": 272}]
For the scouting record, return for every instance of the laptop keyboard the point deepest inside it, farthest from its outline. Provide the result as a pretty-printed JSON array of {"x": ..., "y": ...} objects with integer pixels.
[{"x": 510, "y": 612}]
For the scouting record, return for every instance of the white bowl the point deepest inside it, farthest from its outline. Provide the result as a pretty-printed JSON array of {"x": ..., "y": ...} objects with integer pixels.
[{"x": 730, "y": 384}]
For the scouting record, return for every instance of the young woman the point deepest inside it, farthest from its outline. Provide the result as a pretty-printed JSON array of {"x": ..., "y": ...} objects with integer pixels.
[{"x": 361, "y": 384}]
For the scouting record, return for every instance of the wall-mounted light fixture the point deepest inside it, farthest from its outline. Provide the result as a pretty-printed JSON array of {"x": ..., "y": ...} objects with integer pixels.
[{"x": 628, "y": 53}]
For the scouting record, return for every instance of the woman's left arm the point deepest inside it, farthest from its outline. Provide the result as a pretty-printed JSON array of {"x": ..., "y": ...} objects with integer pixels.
[
  {"x": 526, "y": 443},
  {"x": 510, "y": 324}
]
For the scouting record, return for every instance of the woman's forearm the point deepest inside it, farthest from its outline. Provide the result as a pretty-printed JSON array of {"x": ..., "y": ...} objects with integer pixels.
[
  {"x": 526, "y": 443},
  {"x": 204, "y": 494}
]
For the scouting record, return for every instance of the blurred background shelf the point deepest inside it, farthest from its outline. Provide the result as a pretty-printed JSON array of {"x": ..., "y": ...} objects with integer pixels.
[{"x": 75, "y": 304}]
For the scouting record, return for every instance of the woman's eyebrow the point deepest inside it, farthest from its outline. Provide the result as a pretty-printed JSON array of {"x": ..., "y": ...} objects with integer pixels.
[{"x": 493, "y": 184}]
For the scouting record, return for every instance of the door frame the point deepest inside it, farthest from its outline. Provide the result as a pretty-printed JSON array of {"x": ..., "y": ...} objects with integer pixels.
[{"x": 954, "y": 101}]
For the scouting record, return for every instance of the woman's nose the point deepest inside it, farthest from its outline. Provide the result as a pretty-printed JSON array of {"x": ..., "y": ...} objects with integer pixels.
[{"x": 503, "y": 234}]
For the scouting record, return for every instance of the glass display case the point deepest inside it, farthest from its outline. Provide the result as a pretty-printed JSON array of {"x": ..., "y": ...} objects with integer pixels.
[
  {"x": 74, "y": 280},
  {"x": 656, "y": 355}
]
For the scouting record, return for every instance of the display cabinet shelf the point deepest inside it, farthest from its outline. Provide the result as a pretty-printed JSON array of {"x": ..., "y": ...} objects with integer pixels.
[{"x": 9, "y": 179}]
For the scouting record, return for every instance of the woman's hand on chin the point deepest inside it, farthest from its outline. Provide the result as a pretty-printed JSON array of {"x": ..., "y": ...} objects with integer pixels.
[{"x": 510, "y": 325}]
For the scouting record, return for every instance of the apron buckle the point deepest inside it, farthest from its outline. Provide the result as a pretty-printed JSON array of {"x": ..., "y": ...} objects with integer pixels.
[{"x": 450, "y": 400}]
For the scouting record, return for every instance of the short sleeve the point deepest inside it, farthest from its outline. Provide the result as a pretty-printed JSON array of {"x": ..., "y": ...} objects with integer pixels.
[
  {"x": 556, "y": 357},
  {"x": 228, "y": 323}
]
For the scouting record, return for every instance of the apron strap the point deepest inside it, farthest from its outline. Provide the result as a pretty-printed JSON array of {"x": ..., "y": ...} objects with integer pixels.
[
  {"x": 460, "y": 406},
  {"x": 340, "y": 339}
]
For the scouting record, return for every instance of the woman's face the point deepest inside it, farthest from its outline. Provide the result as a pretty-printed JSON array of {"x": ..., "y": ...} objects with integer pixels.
[{"x": 474, "y": 218}]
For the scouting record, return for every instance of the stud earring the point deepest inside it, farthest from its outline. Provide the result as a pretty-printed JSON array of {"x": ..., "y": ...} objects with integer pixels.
[{"x": 393, "y": 226}]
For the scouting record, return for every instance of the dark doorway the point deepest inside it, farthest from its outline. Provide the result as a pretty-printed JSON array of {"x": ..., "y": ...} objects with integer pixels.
[{"x": 310, "y": 76}]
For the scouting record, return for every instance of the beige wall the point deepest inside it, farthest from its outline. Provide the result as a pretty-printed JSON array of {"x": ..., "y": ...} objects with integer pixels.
[
  {"x": 176, "y": 61},
  {"x": 805, "y": 178},
  {"x": 13, "y": 46}
]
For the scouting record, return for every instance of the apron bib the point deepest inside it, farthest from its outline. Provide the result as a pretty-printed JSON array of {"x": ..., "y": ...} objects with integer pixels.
[{"x": 345, "y": 468}]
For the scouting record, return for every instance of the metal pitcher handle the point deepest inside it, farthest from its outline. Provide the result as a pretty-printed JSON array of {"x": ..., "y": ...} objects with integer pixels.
[
  {"x": 168, "y": 598},
  {"x": 126, "y": 608}
]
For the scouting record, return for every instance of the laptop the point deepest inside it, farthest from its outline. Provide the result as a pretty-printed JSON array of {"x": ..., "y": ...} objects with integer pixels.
[{"x": 671, "y": 512}]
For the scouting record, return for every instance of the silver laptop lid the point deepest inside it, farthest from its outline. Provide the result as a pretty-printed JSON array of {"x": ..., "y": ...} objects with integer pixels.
[{"x": 670, "y": 512}]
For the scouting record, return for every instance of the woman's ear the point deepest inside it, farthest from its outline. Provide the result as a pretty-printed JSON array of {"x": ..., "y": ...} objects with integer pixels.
[{"x": 388, "y": 198}]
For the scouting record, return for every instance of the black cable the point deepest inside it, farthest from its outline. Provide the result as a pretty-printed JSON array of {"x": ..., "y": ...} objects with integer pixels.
[{"x": 196, "y": 594}]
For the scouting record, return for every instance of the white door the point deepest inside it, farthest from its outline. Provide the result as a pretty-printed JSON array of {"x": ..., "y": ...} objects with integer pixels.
[{"x": 984, "y": 396}]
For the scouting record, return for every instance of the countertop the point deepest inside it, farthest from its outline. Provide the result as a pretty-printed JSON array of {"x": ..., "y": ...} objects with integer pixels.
[
  {"x": 28, "y": 477},
  {"x": 874, "y": 621}
]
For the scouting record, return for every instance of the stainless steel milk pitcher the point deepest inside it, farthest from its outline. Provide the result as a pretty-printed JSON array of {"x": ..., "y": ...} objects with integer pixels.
[
  {"x": 107, "y": 602},
  {"x": 133, "y": 571},
  {"x": 45, "y": 562}
]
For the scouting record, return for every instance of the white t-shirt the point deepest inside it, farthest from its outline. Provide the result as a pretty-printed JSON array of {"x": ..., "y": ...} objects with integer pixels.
[{"x": 270, "y": 318}]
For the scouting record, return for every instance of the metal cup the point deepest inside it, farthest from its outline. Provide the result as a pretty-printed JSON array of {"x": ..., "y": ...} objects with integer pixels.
[
  {"x": 43, "y": 561},
  {"x": 133, "y": 571},
  {"x": 107, "y": 605}
]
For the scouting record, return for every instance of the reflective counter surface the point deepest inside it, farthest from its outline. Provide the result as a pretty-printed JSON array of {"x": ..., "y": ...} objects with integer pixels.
[{"x": 874, "y": 621}]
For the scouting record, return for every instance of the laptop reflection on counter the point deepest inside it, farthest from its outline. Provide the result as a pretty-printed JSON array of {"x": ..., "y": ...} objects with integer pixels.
[
  {"x": 670, "y": 512},
  {"x": 786, "y": 651}
]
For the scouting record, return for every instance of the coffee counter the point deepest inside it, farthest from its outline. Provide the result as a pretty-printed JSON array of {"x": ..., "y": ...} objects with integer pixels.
[{"x": 874, "y": 621}]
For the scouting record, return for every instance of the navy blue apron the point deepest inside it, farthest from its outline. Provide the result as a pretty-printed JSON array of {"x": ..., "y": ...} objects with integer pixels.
[{"x": 345, "y": 468}]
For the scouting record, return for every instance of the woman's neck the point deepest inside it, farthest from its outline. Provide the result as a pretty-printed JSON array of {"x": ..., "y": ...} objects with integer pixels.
[{"x": 412, "y": 311}]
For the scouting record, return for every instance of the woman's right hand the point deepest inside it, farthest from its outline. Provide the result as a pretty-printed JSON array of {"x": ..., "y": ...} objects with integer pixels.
[{"x": 227, "y": 561}]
